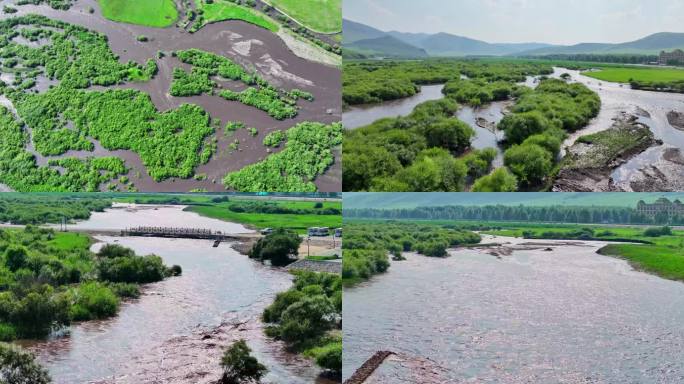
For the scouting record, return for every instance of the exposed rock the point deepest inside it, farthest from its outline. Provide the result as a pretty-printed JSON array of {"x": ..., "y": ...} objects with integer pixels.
[
  {"x": 589, "y": 162},
  {"x": 676, "y": 119},
  {"x": 665, "y": 174}
]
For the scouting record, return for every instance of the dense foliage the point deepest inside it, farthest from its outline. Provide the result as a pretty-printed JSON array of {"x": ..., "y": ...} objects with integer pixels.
[
  {"x": 308, "y": 153},
  {"x": 375, "y": 81},
  {"x": 307, "y": 317},
  {"x": 255, "y": 206},
  {"x": 48, "y": 280},
  {"x": 540, "y": 120},
  {"x": 28, "y": 209},
  {"x": 278, "y": 246},
  {"x": 259, "y": 94},
  {"x": 367, "y": 244},
  {"x": 20, "y": 367},
  {"x": 65, "y": 117},
  {"x": 557, "y": 214},
  {"x": 424, "y": 151}
]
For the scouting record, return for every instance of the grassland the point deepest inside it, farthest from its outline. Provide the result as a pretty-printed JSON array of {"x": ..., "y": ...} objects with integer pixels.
[
  {"x": 221, "y": 10},
  {"x": 151, "y": 13},
  {"x": 70, "y": 241},
  {"x": 628, "y": 74},
  {"x": 323, "y": 16},
  {"x": 294, "y": 221}
]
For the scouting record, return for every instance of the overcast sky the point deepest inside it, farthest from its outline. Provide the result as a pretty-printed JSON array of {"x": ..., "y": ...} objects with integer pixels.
[{"x": 514, "y": 21}]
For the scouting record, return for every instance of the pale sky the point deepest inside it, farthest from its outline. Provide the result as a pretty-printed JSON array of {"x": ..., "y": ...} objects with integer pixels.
[{"x": 514, "y": 21}]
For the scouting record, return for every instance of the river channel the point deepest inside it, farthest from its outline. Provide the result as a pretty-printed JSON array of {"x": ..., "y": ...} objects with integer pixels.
[
  {"x": 565, "y": 316},
  {"x": 176, "y": 331}
]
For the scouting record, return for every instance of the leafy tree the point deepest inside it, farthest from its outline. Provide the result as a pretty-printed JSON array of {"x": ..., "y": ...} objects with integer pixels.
[
  {"x": 240, "y": 366},
  {"x": 277, "y": 247},
  {"x": 19, "y": 367},
  {"x": 306, "y": 319},
  {"x": 519, "y": 126},
  {"x": 16, "y": 257},
  {"x": 530, "y": 163},
  {"x": 500, "y": 180}
]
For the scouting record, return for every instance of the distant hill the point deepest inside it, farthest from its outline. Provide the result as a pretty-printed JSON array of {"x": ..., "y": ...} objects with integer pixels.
[
  {"x": 424, "y": 199},
  {"x": 649, "y": 45},
  {"x": 386, "y": 46},
  {"x": 445, "y": 44},
  {"x": 357, "y": 35},
  {"x": 353, "y": 31}
]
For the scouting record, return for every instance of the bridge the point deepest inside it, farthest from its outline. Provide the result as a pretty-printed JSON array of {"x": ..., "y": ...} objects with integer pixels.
[{"x": 186, "y": 233}]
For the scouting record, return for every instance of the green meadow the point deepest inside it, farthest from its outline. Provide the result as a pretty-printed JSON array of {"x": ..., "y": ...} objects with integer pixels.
[
  {"x": 221, "y": 10},
  {"x": 151, "y": 13},
  {"x": 319, "y": 15},
  {"x": 627, "y": 74},
  {"x": 297, "y": 222}
]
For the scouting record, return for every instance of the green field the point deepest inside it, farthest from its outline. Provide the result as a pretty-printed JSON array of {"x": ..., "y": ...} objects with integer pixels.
[
  {"x": 297, "y": 222},
  {"x": 625, "y": 75},
  {"x": 221, "y": 10},
  {"x": 319, "y": 15},
  {"x": 68, "y": 241},
  {"x": 152, "y": 13}
]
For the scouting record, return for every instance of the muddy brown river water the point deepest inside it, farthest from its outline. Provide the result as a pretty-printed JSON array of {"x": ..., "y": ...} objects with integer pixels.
[
  {"x": 176, "y": 331},
  {"x": 249, "y": 45},
  {"x": 566, "y": 316}
]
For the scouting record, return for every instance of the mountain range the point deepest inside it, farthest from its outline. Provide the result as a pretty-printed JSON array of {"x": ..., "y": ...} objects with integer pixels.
[
  {"x": 427, "y": 199},
  {"x": 372, "y": 42}
]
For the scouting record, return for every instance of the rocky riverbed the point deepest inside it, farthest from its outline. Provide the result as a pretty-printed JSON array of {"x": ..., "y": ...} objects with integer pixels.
[{"x": 588, "y": 164}]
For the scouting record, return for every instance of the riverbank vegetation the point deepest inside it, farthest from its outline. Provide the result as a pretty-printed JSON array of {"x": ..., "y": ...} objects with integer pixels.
[
  {"x": 308, "y": 153},
  {"x": 151, "y": 13},
  {"x": 368, "y": 82},
  {"x": 18, "y": 366},
  {"x": 42, "y": 209},
  {"x": 308, "y": 318},
  {"x": 49, "y": 279},
  {"x": 279, "y": 104},
  {"x": 539, "y": 122},
  {"x": 367, "y": 244},
  {"x": 430, "y": 150},
  {"x": 280, "y": 247},
  {"x": 66, "y": 117}
]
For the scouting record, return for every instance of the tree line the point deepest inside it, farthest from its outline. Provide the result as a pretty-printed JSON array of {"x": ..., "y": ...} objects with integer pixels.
[{"x": 555, "y": 214}]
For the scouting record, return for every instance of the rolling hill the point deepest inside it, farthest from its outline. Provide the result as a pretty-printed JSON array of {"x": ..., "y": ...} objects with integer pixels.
[
  {"x": 386, "y": 46},
  {"x": 649, "y": 45},
  {"x": 359, "y": 37},
  {"x": 422, "y": 199}
]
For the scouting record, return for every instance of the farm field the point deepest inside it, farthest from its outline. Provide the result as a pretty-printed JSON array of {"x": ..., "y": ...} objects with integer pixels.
[
  {"x": 319, "y": 15},
  {"x": 151, "y": 13}
]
